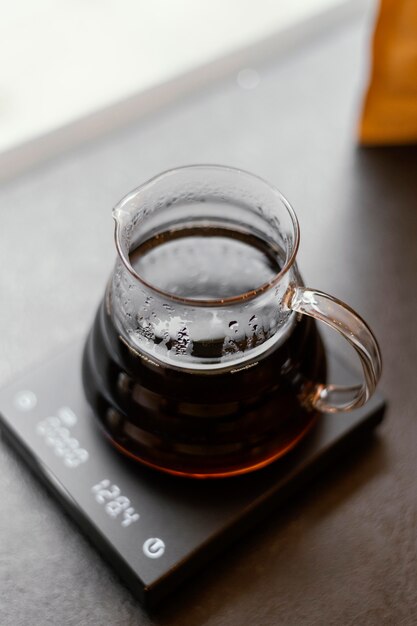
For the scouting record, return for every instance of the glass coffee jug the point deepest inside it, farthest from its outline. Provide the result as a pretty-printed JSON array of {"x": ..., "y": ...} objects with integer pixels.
[{"x": 204, "y": 359}]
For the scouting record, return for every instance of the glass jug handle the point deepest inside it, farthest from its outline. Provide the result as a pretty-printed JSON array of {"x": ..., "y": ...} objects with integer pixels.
[{"x": 337, "y": 398}]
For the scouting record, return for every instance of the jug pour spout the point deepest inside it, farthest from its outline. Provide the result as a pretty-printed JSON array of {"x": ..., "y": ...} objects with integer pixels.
[
  {"x": 122, "y": 219},
  {"x": 121, "y": 215}
]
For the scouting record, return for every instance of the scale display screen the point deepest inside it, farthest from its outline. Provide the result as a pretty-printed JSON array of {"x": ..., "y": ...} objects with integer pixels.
[{"x": 154, "y": 529}]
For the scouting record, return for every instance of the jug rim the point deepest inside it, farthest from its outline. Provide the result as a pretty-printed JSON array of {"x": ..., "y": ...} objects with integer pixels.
[{"x": 119, "y": 211}]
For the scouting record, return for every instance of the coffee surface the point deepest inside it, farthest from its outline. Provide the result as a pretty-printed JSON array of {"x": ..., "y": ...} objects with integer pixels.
[{"x": 205, "y": 262}]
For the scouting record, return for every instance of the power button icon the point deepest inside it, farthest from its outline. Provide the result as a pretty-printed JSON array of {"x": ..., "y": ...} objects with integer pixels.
[{"x": 153, "y": 548}]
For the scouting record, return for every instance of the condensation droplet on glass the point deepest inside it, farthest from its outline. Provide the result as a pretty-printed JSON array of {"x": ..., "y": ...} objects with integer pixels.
[
  {"x": 253, "y": 322},
  {"x": 230, "y": 347},
  {"x": 144, "y": 328},
  {"x": 234, "y": 325},
  {"x": 183, "y": 339}
]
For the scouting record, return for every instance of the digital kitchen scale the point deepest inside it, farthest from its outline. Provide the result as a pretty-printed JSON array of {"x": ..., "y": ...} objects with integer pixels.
[{"x": 154, "y": 529}]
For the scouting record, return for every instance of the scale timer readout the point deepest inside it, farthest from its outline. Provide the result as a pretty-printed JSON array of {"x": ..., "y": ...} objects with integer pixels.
[{"x": 115, "y": 504}]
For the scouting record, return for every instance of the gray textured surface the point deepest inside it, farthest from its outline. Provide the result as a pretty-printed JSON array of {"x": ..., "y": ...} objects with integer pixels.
[{"x": 343, "y": 553}]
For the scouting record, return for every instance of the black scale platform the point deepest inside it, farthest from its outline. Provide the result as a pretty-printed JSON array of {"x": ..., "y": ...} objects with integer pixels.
[{"x": 154, "y": 529}]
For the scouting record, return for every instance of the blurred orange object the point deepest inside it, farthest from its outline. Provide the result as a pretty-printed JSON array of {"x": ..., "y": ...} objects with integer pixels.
[{"x": 390, "y": 109}]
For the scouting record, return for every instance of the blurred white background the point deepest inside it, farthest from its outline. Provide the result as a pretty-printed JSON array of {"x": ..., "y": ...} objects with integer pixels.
[{"x": 64, "y": 60}]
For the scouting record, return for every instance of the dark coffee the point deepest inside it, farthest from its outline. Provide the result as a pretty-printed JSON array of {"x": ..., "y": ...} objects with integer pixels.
[
  {"x": 192, "y": 421},
  {"x": 206, "y": 262}
]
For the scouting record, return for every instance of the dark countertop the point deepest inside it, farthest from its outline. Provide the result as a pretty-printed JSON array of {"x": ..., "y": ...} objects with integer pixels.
[{"x": 344, "y": 552}]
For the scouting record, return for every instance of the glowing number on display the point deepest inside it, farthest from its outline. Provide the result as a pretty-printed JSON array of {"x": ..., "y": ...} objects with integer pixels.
[
  {"x": 57, "y": 435},
  {"x": 115, "y": 504},
  {"x": 129, "y": 516},
  {"x": 103, "y": 493}
]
